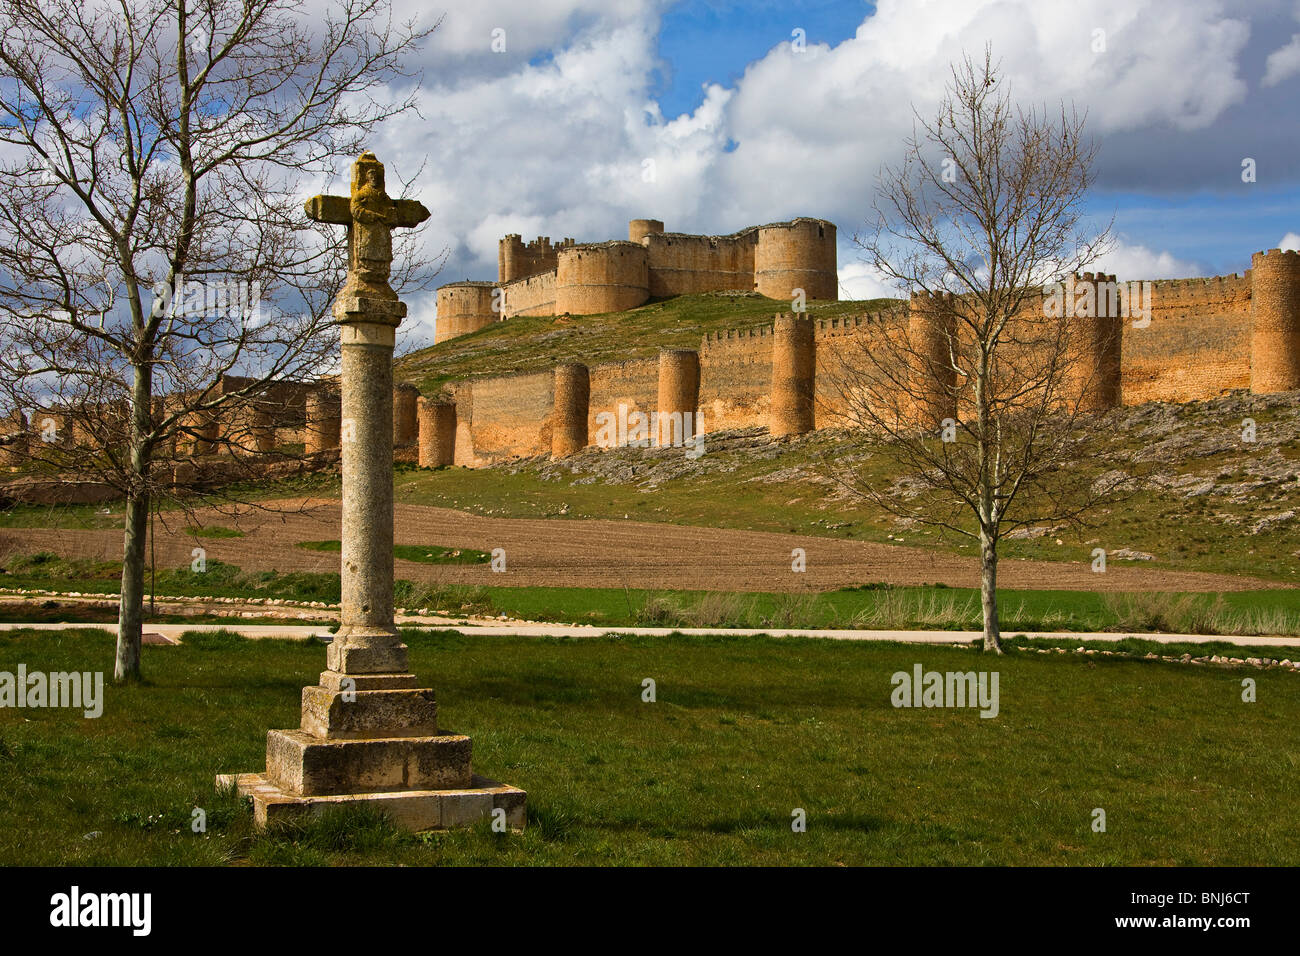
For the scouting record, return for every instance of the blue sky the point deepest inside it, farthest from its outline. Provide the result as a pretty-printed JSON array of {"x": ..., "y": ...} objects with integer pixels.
[
  {"x": 1214, "y": 229},
  {"x": 551, "y": 136},
  {"x": 710, "y": 41}
]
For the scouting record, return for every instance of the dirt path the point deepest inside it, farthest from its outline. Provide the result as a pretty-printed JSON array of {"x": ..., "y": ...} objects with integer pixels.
[{"x": 602, "y": 553}]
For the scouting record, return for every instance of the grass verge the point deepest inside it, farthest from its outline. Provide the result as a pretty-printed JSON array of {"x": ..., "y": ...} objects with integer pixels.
[{"x": 741, "y": 734}]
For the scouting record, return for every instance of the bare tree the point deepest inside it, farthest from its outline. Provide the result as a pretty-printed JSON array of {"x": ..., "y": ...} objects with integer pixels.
[
  {"x": 979, "y": 389},
  {"x": 152, "y": 238}
]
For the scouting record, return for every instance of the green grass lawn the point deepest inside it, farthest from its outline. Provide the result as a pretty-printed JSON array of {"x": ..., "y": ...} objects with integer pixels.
[
  {"x": 743, "y": 732},
  {"x": 424, "y": 554}
]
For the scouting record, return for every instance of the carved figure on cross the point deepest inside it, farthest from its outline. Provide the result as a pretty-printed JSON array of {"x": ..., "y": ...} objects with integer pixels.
[{"x": 371, "y": 215}]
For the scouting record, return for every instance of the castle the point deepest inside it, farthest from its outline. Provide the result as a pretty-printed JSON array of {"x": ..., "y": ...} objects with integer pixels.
[
  {"x": 1198, "y": 339},
  {"x": 589, "y": 278}
]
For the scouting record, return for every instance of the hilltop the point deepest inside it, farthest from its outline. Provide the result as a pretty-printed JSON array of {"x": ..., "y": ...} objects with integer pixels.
[{"x": 538, "y": 343}]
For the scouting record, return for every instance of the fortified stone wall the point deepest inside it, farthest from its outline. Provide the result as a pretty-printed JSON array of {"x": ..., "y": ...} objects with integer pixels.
[
  {"x": 734, "y": 371},
  {"x": 606, "y": 277},
  {"x": 510, "y": 416},
  {"x": 1198, "y": 339},
  {"x": 683, "y": 265},
  {"x": 518, "y": 261},
  {"x": 800, "y": 254},
  {"x": 532, "y": 296},
  {"x": 633, "y": 384},
  {"x": 1197, "y": 346},
  {"x": 464, "y": 307}
]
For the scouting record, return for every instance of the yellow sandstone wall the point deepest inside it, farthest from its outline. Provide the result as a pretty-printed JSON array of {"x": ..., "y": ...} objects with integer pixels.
[
  {"x": 572, "y": 405},
  {"x": 1275, "y": 321},
  {"x": 544, "y": 279},
  {"x": 1197, "y": 345},
  {"x": 735, "y": 372},
  {"x": 518, "y": 261},
  {"x": 532, "y": 296},
  {"x": 683, "y": 265},
  {"x": 634, "y": 384},
  {"x": 510, "y": 417},
  {"x": 793, "y": 255}
]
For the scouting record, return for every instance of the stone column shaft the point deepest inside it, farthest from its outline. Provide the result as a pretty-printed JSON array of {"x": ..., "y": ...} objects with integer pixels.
[{"x": 367, "y": 642}]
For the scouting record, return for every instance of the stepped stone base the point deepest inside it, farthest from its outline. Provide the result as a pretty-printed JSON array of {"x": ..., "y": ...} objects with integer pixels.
[
  {"x": 374, "y": 738},
  {"x": 413, "y": 809},
  {"x": 311, "y": 766}
]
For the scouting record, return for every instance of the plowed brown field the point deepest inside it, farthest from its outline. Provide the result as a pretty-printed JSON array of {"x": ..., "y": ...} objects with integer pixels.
[{"x": 588, "y": 553}]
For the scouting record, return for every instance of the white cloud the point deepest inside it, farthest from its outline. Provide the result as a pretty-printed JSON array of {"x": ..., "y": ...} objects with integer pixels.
[
  {"x": 1290, "y": 241},
  {"x": 1282, "y": 63},
  {"x": 1134, "y": 261},
  {"x": 553, "y": 137},
  {"x": 827, "y": 119},
  {"x": 858, "y": 280}
]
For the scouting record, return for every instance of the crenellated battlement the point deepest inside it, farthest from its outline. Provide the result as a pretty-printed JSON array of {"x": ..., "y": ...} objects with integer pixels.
[
  {"x": 1290, "y": 256},
  {"x": 1172, "y": 340}
]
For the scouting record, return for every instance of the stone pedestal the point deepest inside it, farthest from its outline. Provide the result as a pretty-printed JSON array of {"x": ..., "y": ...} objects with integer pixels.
[{"x": 375, "y": 740}]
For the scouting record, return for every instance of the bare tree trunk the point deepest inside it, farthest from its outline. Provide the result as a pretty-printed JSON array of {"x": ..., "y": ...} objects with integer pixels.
[
  {"x": 131, "y": 607},
  {"x": 989, "y": 592}
]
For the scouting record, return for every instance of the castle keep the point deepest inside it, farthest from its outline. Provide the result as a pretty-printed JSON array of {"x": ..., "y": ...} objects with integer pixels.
[{"x": 589, "y": 278}]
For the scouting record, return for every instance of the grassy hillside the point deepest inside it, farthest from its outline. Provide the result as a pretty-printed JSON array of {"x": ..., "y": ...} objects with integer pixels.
[
  {"x": 1207, "y": 501},
  {"x": 534, "y": 343}
]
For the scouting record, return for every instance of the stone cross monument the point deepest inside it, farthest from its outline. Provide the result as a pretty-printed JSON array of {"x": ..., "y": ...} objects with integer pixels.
[{"x": 369, "y": 733}]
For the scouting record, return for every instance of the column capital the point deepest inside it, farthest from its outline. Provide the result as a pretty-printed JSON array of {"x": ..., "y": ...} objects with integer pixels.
[{"x": 369, "y": 333}]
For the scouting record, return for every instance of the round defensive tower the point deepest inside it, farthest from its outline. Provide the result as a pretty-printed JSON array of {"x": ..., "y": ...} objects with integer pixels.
[
  {"x": 679, "y": 395},
  {"x": 1275, "y": 321},
  {"x": 1097, "y": 345},
  {"x": 14, "y": 427},
  {"x": 158, "y": 411},
  {"x": 794, "y": 364},
  {"x": 262, "y": 426},
  {"x": 324, "y": 412},
  {"x": 510, "y": 252},
  {"x": 464, "y": 307},
  {"x": 205, "y": 431},
  {"x": 406, "y": 428},
  {"x": 572, "y": 405},
  {"x": 638, "y": 229},
  {"x": 437, "y": 424},
  {"x": 796, "y": 255},
  {"x": 608, "y": 277},
  {"x": 930, "y": 327}
]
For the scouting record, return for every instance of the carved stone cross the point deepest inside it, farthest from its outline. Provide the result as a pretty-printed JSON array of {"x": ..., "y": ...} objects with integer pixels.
[
  {"x": 369, "y": 312},
  {"x": 371, "y": 216}
]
